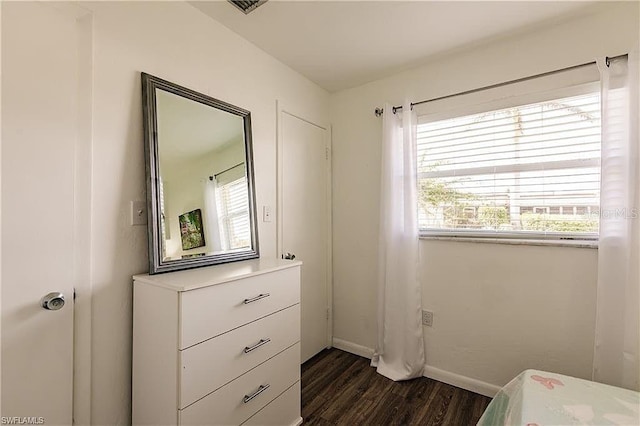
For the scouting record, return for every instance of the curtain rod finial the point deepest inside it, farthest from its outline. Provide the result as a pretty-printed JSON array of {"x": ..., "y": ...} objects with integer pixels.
[{"x": 378, "y": 112}]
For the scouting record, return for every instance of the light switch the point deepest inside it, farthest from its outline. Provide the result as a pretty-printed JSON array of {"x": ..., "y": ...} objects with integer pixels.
[
  {"x": 266, "y": 213},
  {"x": 138, "y": 213}
]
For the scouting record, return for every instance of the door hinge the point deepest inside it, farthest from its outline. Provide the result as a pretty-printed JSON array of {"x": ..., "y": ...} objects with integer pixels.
[
  {"x": 74, "y": 294},
  {"x": 327, "y": 313},
  {"x": 326, "y": 153}
]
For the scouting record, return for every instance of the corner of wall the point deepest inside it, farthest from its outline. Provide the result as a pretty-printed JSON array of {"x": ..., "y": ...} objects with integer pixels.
[
  {"x": 453, "y": 379},
  {"x": 353, "y": 348}
]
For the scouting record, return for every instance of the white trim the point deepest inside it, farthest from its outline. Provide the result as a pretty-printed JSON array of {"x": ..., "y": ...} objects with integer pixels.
[
  {"x": 352, "y": 348},
  {"x": 460, "y": 381},
  {"x": 330, "y": 236},
  {"x": 464, "y": 382},
  {"x": 515, "y": 241},
  {"x": 1, "y": 5},
  {"x": 284, "y": 108},
  {"x": 83, "y": 177}
]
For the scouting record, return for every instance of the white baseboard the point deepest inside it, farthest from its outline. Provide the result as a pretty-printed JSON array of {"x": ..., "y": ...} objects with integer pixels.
[
  {"x": 464, "y": 382},
  {"x": 352, "y": 348}
]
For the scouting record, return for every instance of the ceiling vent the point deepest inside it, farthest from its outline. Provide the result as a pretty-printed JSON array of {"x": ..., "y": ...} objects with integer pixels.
[{"x": 247, "y": 6}]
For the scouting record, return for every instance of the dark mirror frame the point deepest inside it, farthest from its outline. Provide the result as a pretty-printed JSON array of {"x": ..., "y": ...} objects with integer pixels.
[{"x": 156, "y": 263}]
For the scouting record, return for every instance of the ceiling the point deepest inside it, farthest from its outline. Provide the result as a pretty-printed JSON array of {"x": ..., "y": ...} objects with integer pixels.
[{"x": 341, "y": 44}]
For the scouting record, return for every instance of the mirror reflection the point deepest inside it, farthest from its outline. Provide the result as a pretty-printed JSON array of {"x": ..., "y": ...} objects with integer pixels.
[
  {"x": 199, "y": 178},
  {"x": 203, "y": 179}
]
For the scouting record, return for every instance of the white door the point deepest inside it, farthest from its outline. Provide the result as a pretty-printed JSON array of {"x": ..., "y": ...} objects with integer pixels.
[
  {"x": 305, "y": 222},
  {"x": 39, "y": 130}
]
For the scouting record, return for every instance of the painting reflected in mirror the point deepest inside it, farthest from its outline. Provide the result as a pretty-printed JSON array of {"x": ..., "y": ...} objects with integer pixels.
[{"x": 200, "y": 179}]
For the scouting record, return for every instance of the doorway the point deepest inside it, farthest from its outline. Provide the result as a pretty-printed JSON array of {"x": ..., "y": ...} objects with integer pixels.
[{"x": 304, "y": 220}]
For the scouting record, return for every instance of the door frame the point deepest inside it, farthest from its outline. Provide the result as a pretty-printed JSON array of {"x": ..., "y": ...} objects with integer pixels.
[
  {"x": 83, "y": 181},
  {"x": 283, "y": 107},
  {"x": 82, "y": 199},
  {"x": 0, "y": 211}
]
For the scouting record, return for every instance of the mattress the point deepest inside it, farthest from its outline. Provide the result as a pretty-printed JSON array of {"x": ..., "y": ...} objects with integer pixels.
[{"x": 539, "y": 398}]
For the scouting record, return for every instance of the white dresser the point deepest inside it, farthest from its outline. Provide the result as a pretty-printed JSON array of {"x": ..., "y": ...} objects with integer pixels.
[{"x": 218, "y": 345}]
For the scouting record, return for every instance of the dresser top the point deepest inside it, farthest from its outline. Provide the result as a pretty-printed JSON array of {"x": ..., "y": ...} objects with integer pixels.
[{"x": 192, "y": 279}]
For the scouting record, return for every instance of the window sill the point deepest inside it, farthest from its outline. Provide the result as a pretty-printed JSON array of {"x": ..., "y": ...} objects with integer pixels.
[{"x": 518, "y": 242}]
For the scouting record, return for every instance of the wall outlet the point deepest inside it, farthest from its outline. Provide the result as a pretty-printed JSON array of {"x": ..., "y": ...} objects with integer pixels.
[
  {"x": 266, "y": 213},
  {"x": 427, "y": 318}
]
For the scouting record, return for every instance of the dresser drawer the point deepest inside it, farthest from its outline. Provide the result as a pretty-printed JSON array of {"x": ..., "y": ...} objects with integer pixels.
[
  {"x": 229, "y": 405},
  {"x": 211, "y": 311},
  {"x": 282, "y": 411},
  {"x": 209, "y": 365}
]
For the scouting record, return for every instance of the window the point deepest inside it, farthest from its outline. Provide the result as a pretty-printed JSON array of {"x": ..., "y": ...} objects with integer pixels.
[
  {"x": 164, "y": 223},
  {"x": 233, "y": 207},
  {"x": 526, "y": 171}
]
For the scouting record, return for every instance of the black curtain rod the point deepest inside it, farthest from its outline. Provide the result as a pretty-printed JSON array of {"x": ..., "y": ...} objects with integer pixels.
[
  {"x": 379, "y": 111},
  {"x": 225, "y": 170}
]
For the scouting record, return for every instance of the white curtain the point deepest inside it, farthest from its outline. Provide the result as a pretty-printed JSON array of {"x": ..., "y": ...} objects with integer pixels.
[
  {"x": 618, "y": 297},
  {"x": 211, "y": 223},
  {"x": 399, "y": 353}
]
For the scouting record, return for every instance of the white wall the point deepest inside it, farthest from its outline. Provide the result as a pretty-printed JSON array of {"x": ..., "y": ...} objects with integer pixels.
[
  {"x": 498, "y": 308},
  {"x": 174, "y": 41}
]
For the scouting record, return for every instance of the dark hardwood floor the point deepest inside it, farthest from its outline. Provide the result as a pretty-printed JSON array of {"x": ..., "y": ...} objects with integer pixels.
[{"x": 339, "y": 388}]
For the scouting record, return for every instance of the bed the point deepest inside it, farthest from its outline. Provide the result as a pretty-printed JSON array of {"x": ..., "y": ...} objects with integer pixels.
[{"x": 540, "y": 398}]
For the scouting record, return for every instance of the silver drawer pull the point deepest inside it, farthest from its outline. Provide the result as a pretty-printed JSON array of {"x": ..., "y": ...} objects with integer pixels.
[
  {"x": 257, "y": 392},
  {"x": 257, "y": 345},
  {"x": 258, "y": 297}
]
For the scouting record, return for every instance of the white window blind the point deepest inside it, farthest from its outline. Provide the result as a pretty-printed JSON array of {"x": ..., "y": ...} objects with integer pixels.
[
  {"x": 233, "y": 205},
  {"x": 529, "y": 171}
]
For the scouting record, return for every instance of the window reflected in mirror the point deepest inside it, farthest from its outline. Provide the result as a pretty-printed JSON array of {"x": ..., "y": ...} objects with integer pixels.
[{"x": 202, "y": 169}]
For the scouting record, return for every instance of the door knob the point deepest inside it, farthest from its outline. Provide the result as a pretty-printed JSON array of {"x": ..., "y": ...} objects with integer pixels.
[
  {"x": 289, "y": 256},
  {"x": 53, "y": 301}
]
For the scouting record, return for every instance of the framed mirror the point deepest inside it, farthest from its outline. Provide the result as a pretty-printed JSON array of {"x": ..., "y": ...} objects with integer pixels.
[{"x": 200, "y": 184}]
